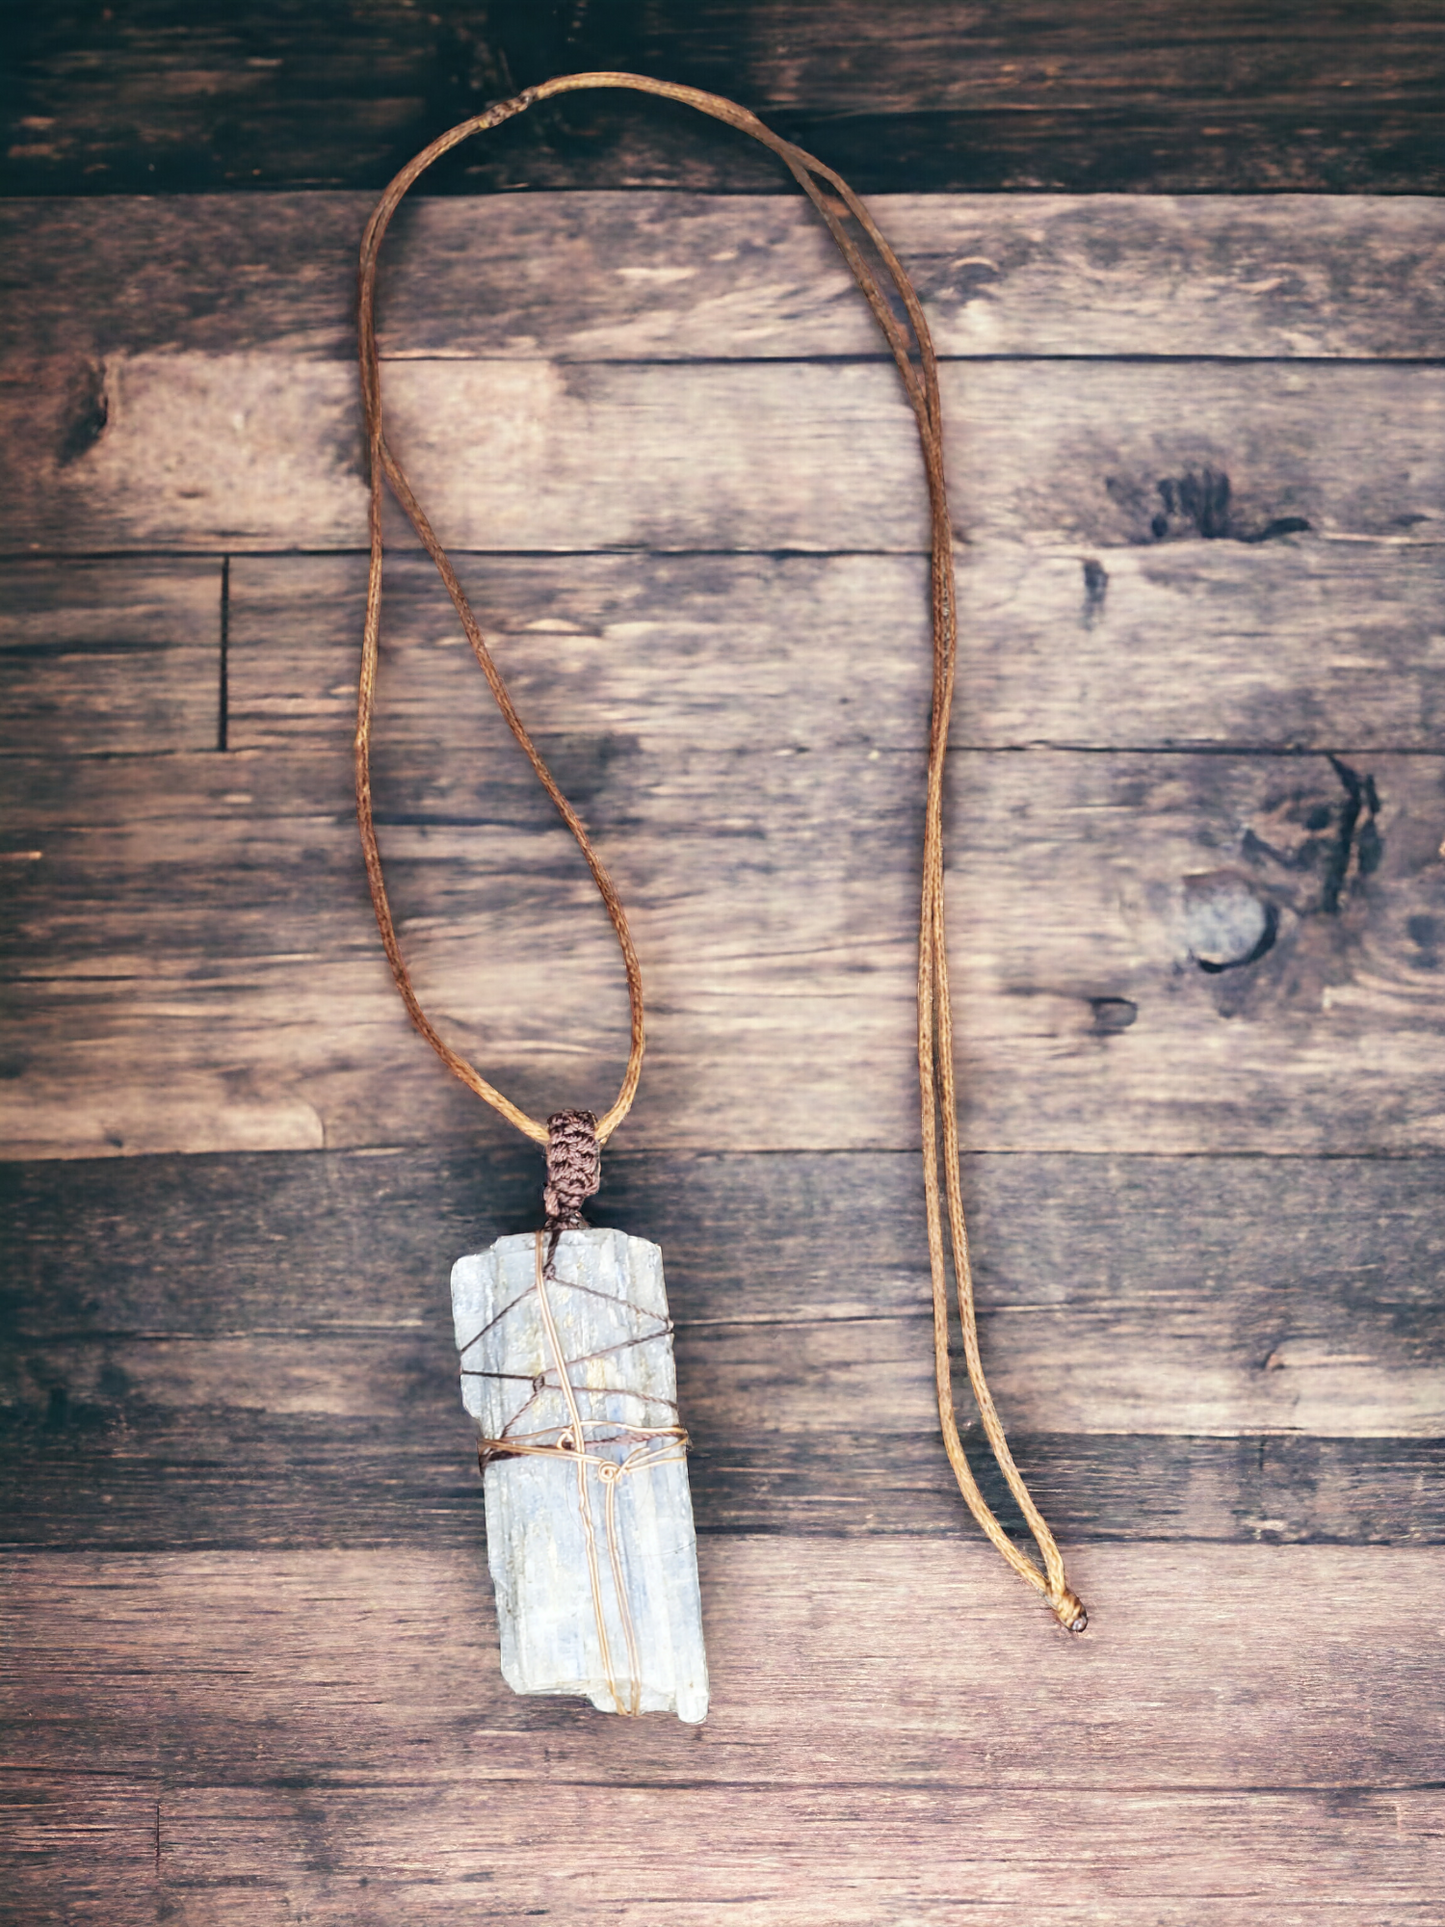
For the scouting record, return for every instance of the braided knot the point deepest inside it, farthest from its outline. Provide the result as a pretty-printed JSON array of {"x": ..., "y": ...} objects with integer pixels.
[{"x": 574, "y": 1168}]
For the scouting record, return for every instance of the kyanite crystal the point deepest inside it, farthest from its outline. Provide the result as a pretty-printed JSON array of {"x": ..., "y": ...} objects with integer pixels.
[{"x": 614, "y": 1615}]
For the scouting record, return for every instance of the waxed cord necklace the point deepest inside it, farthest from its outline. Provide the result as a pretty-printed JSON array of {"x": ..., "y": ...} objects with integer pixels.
[{"x": 567, "y": 1134}]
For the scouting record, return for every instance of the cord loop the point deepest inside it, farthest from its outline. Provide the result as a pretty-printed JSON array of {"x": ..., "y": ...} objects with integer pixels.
[{"x": 913, "y": 353}]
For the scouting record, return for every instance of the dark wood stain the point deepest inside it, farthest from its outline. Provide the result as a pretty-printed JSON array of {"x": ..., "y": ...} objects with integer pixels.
[{"x": 184, "y": 97}]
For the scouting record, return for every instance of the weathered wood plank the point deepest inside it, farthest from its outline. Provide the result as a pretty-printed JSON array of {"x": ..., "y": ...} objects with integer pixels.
[
  {"x": 1298, "y": 644},
  {"x": 243, "y": 452},
  {"x": 1266, "y": 1666},
  {"x": 79, "y": 1846},
  {"x": 197, "y": 999},
  {"x": 101, "y": 657},
  {"x": 856, "y": 1853},
  {"x": 1156, "y": 1240},
  {"x": 1173, "y": 952},
  {"x": 115, "y": 1475},
  {"x": 752, "y": 1382},
  {"x": 194, "y": 1396},
  {"x": 936, "y": 57},
  {"x": 678, "y": 277},
  {"x": 926, "y": 96}
]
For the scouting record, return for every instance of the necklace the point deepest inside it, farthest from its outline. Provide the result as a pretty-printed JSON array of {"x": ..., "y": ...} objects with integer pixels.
[{"x": 564, "y": 1334}]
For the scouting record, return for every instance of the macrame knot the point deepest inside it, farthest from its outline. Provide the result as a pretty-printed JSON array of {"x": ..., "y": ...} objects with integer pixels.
[{"x": 574, "y": 1168}]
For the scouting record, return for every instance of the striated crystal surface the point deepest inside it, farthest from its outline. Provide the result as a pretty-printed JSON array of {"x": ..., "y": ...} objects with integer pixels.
[{"x": 614, "y": 1615}]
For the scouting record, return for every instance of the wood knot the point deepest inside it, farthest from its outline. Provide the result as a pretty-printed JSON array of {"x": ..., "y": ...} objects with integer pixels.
[
  {"x": 1227, "y": 923},
  {"x": 574, "y": 1168}
]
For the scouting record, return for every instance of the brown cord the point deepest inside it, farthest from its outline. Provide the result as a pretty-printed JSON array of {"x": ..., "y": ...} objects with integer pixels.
[{"x": 935, "y": 1023}]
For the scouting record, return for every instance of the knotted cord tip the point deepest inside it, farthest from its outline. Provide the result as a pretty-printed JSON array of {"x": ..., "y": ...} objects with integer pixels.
[{"x": 1068, "y": 1609}]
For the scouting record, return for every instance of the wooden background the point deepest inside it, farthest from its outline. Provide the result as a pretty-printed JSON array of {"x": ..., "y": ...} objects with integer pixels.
[{"x": 1197, "y": 895}]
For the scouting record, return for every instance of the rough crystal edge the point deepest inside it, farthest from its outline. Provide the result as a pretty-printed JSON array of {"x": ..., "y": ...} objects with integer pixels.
[{"x": 476, "y": 1283}]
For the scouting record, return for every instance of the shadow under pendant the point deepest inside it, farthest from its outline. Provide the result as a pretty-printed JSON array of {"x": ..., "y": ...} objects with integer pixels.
[{"x": 567, "y": 1367}]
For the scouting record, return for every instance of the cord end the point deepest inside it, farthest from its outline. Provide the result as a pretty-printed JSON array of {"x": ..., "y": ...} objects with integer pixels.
[{"x": 1068, "y": 1609}]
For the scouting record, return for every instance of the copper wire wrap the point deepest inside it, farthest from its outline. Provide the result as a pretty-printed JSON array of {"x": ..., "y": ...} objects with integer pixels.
[{"x": 912, "y": 350}]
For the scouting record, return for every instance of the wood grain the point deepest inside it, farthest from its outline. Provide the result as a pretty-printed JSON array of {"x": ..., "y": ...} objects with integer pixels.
[
  {"x": 192, "y": 1397},
  {"x": 683, "y": 277},
  {"x": 361, "y": 1753},
  {"x": 383, "y": 1669},
  {"x": 763, "y": 1857},
  {"x": 109, "y": 657},
  {"x": 112, "y": 1474},
  {"x": 1196, "y": 894},
  {"x": 1116, "y": 97},
  {"x": 1155, "y": 1296},
  {"x": 1214, "y": 1237},
  {"x": 230, "y": 1855},
  {"x": 751, "y": 1381},
  {"x": 251, "y": 1855},
  {"x": 1097, "y": 1010},
  {"x": 239, "y": 452},
  {"x": 85, "y": 1843},
  {"x": 1298, "y": 645}
]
